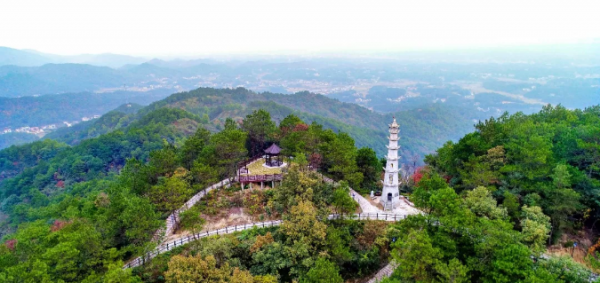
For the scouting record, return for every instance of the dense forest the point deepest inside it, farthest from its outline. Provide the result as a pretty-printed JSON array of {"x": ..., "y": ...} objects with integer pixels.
[
  {"x": 55, "y": 109},
  {"x": 492, "y": 201},
  {"x": 75, "y": 213},
  {"x": 495, "y": 199}
]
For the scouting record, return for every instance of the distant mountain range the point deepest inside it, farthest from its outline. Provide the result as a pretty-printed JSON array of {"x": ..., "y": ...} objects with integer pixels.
[
  {"x": 492, "y": 83},
  {"x": 440, "y": 97},
  {"x": 31, "y": 58}
]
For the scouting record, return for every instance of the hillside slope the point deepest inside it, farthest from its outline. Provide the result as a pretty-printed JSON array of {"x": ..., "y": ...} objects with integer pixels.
[
  {"x": 422, "y": 130},
  {"x": 54, "y": 109}
]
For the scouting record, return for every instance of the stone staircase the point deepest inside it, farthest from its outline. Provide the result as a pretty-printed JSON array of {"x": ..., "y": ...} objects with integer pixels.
[{"x": 385, "y": 272}]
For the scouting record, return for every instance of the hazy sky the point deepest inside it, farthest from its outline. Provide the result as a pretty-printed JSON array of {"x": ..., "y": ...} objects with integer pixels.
[{"x": 146, "y": 27}]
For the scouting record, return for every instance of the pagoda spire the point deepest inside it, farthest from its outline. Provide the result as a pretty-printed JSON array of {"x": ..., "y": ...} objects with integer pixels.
[{"x": 390, "y": 196}]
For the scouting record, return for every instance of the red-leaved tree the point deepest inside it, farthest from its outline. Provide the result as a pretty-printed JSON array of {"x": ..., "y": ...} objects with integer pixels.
[{"x": 418, "y": 175}]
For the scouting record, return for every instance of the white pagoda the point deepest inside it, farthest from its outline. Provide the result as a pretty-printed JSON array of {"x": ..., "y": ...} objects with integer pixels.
[{"x": 390, "y": 195}]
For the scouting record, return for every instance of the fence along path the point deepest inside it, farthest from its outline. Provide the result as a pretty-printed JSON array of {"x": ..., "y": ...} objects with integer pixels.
[
  {"x": 173, "y": 218},
  {"x": 165, "y": 247}
]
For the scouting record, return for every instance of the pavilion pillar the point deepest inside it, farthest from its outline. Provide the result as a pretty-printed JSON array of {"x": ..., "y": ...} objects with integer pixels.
[
  {"x": 262, "y": 185},
  {"x": 242, "y": 184},
  {"x": 272, "y": 184}
]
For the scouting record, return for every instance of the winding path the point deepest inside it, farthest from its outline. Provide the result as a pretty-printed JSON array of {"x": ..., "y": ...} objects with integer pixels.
[
  {"x": 369, "y": 212},
  {"x": 385, "y": 272},
  {"x": 365, "y": 205},
  {"x": 173, "y": 218},
  {"x": 165, "y": 247}
]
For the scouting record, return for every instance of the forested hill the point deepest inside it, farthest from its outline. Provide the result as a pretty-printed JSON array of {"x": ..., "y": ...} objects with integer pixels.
[
  {"x": 49, "y": 163},
  {"x": 493, "y": 199},
  {"x": 422, "y": 130},
  {"x": 496, "y": 199},
  {"x": 78, "y": 211},
  {"x": 549, "y": 159},
  {"x": 116, "y": 119},
  {"x": 54, "y": 109}
]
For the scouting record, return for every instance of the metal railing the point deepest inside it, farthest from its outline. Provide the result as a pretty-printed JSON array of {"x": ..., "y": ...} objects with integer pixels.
[
  {"x": 261, "y": 178},
  {"x": 246, "y": 162},
  {"x": 173, "y": 218},
  {"x": 236, "y": 228}
]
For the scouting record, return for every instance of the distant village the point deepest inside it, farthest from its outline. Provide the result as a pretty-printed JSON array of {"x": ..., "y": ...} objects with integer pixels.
[{"x": 43, "y": 130}]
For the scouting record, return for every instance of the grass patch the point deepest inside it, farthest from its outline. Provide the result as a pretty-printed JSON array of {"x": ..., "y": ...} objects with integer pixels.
[{"x": 257, "y": 168}]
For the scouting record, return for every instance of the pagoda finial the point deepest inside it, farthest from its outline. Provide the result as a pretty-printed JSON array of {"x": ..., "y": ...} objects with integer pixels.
[{"x": 394, "y": 123}]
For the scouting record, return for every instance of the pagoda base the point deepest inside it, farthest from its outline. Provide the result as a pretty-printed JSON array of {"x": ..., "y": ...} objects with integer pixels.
[
  {"x": 390, "y": 205},
  {"x": 390, "y": 197}
]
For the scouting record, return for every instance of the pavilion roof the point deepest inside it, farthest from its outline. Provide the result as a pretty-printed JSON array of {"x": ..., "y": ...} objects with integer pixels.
[{"x": 273, "y": 150}]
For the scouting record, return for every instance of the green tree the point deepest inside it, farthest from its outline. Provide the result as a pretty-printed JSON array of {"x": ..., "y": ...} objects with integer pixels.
[
  {"x": 204, "y": 175},
  {"x": 304, "y": 235},
  {"x": 561, "y": 177},
  {"x": 170, "y": 193},
  {"x": 416, "y": 256},
  {"x": 429, "y": 183},
  {"x": 338, "y": 244},
  {"x": 340, "y": 156},
  {"x": 481, "y": 202},
  {"x": 128, "y": 218},
  {"x": 196, "y": 269},
  {"x": 511, "y": 204},
  {"x": 225, "y": 150},
  {"x": 536, "y": 228},
  {"x": 484, "y": 170},
  {"x": 297, "y": 185},
  {"x": 453, "y": 272},
  {"x": 324, "y": 271},
  {"x": 190, "y": 219},
  {"x": 192, "y": 147},
  {"x": 288, "y": 124},
  {"x": 370, "y": 167},
  {"x": 163, "y": 161},
  {"x": 260, "y": 129},
  {"x": 566, "y": 269},
  {"x": 510, "y": 263},
  {"x": 589, "y": 142},
  {"x": 342, "y": 200},
  {"x": 136, "y": 176}
]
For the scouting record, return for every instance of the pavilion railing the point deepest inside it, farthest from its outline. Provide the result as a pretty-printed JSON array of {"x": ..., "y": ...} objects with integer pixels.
[
  {"x": 260, "y": 178},
  {"x": 248, "y": 161}
]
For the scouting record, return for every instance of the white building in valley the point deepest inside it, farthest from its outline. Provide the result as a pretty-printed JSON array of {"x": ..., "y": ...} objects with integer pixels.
[{"x": 390, "y": 195}]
